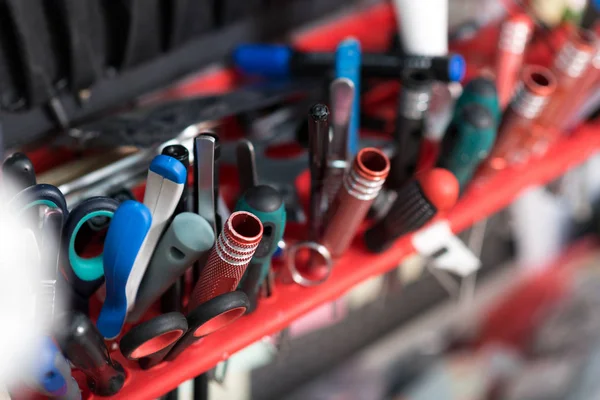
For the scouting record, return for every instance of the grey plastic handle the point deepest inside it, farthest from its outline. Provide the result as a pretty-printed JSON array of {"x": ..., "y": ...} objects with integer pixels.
[{"x": 187, "y": 239}]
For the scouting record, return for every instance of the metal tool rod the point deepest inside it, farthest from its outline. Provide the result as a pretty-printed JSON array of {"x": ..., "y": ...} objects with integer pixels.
[{"x": 318, "y": 128}]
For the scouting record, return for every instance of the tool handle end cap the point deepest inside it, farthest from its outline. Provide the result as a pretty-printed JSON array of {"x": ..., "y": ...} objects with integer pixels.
[
  {"x": 169, "y": 168},
  {"x": 456, "y": 68},
  {"x": 440, "y": 187}
]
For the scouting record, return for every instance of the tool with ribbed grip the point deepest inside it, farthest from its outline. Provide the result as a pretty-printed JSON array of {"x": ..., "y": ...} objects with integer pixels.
[
  {"x": 361, "y": 185},
  {"x": 417, "y": 203},
  {"x": 229, "y": 258}
]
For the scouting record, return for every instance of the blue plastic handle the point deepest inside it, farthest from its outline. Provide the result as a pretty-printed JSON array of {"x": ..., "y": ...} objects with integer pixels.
[
  {"x": 125, "y": 236},
  {"x": 347, "y": 65},
  {"x": 263, "y": 59}
]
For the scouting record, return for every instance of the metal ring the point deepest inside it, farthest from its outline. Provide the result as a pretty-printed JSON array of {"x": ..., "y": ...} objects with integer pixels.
[{"x": 291, "y": 264}]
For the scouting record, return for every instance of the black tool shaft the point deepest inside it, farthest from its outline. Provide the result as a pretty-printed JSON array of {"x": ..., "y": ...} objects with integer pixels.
[
  {"x": 171, "y": 299},
  {"x": 318, "y": 142}
]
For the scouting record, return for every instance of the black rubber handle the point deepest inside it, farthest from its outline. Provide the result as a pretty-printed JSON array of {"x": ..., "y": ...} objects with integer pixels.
[
  {"x": 150, "y": 341},
  {"x": 202, "y": 320},
  {"x": 18, "y": 170},
  {"x": 84, "y": 346}
]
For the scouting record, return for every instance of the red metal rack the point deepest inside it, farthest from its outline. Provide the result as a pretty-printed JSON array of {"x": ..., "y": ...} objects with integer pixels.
[
  {"x": 291, "y": 301},
  {"x": 373, "y": 27}
]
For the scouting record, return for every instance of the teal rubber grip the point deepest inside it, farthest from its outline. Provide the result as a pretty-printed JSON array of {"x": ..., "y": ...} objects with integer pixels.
[
  {"x": 483, "y": 91},
  {"x": 468, "y": 142},
  {"x": 267, "y": 204}
]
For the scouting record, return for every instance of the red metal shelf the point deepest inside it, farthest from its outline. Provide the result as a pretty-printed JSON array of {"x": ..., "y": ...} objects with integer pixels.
[{"x": 291, "y": 301}]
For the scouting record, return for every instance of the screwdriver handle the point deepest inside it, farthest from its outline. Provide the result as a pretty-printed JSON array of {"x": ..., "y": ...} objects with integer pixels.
[{"x": 267, "y": 204}]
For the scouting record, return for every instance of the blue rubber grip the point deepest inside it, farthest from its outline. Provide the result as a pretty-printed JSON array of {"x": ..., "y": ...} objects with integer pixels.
[
  {"x": 347, "y": 65},
  {"x": 169, "y": 168},
  {"x": 49, "y": 376},
  {"x": 263, "y": 59},
  {"x": 124, "y": 238}
]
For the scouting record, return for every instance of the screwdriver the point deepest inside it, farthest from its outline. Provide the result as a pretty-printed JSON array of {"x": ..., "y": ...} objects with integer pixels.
[
  {"x": 283, "y": 61},
  {"x": 480, "y": 90},
  {"x": 267, "y": 204},
  {"x": 416, "y": 203},
  {"x": 413, "y": 104},
  {"x": 468, "y": 142}
]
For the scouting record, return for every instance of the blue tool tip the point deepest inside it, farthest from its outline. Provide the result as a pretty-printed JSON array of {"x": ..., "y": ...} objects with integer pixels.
[
  {"x": 262, "y": 59},
  {"x": 596, "y": 4},
  {"x": 456, "y": 68},
  {"x": 169, "y": 168}
]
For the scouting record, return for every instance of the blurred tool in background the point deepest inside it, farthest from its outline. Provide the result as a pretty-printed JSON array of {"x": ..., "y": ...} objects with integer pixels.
[
  {"x": 53, "y": 373},
  {"x": 569, "y": 67},
  {"x": 348, "y": 65},
  {"x": 343, "y": 95},
  {"x": 423, "y": 27},
  {"x": 413, "y": 103},
  {"x": 468, "y": 142},
  {"x": 481, "y": 90},
  {"x": 276, "y": 61},
  {"x": 533, "y": 93},
  {"x": 583, "y": 90},
  {"x": 514, "y": 36},
  {"x": 590, "y": 15}
]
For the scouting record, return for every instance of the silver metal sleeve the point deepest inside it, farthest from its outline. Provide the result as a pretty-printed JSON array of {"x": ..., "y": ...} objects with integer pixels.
[
  {"x": 572, "y": 61},
  {"x": 528, "y": 104},
  {"x": 513, "y": 37}
]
